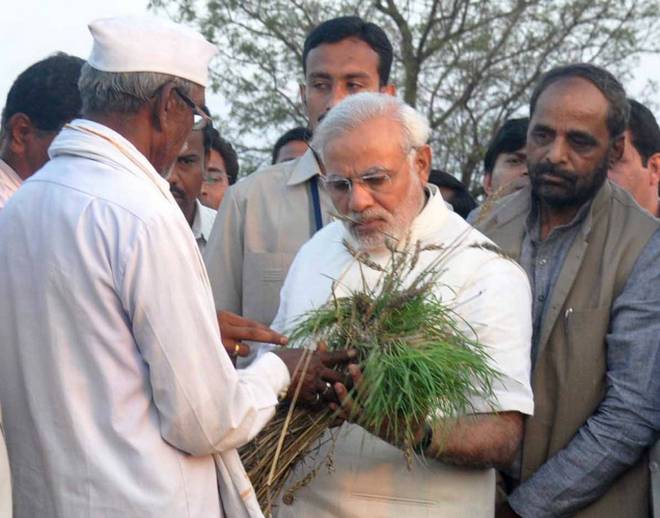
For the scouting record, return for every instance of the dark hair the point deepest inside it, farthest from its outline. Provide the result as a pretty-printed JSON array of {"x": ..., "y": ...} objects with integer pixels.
[
  {"x": 644, "y": 131},
  {"x": 510, "y": 137},
  {"x": 463, "y": 202},
  {"x": 208, "y": 131},
  {"x": 227, "y": 153},
  {"x": 299, "y": 133},
  {"x": 338, "y": 29},
  {"x": 610, "y": 87},
  {"x": 47, "y": 92}
]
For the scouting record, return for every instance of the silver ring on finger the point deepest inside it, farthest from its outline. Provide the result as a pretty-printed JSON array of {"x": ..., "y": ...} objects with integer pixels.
[{"x": 327, "y": 390}]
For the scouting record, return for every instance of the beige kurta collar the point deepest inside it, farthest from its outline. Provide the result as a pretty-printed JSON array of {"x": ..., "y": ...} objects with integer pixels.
[{"x": 305, "y": 168}]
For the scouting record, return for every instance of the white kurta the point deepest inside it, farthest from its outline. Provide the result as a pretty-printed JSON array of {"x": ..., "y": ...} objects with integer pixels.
[
  {"x": 492, "y": 294},
  {"x": 9, "y": 183},
  {"x": 115, "y": 387}
]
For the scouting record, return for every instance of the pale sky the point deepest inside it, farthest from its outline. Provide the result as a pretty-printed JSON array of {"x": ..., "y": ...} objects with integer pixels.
[{"x": 33, "y": 29}]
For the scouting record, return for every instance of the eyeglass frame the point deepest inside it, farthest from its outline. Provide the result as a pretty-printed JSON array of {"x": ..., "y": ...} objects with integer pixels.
[
  {"x": 207, "y": 178},
  {"x": 328, "y": 179},
  {"x": 197, "y": 111}
]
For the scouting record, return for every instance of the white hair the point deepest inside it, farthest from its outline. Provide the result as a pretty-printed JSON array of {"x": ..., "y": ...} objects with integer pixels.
[
  {"x": 107, "y": 92},
  {"x": 357, "y": 109}
]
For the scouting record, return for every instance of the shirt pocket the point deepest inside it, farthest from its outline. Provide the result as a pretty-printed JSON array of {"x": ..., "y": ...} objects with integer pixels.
[{"x": 263, "y": 276}]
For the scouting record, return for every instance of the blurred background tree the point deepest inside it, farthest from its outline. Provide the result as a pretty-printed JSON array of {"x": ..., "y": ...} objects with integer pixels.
[{"x": 468, "y": 65}]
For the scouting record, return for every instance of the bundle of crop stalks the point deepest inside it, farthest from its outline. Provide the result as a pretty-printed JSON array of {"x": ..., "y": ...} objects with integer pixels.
[{"x": 418, "y": 363}]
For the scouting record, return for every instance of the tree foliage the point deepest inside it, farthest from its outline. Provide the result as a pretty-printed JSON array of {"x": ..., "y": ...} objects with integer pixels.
[{"x": 466, "y": 64}]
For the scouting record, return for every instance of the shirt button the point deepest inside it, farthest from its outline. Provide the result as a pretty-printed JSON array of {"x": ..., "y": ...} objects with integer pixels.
[
  {"x": 541, "y": 297},
  {"x": 543, "y": 261}
]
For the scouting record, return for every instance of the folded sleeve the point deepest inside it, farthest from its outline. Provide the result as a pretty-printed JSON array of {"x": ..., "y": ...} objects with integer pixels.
[{"x": 496, "y": 304}]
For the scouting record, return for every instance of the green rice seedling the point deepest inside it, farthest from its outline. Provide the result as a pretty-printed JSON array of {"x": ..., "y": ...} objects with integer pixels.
[{"x": 420, "y": 363}]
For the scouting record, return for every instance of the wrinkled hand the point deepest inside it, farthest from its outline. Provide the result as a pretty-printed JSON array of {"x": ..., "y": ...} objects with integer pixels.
[
  {"x": 349, "y": 410},
  {"x": 319, "y": 378},
  {"x": 235, "y": 328}
]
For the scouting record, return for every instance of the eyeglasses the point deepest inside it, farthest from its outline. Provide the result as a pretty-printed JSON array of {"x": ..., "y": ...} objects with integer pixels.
[
  {"x": 200, "y": 119},
  {"x": 376, "y": 182},
  {"x": 376, "y": 179},
  {"x": 216, "y": 177}
]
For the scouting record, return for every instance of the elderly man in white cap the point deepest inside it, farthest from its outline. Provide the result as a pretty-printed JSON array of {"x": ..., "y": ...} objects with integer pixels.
[
  {"x": 117, "y": 393},
  {"x": 377, "y": 160}
]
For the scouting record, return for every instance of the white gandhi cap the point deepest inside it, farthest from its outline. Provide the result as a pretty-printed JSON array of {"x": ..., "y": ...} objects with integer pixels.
[{"x": 150, "y": 44}]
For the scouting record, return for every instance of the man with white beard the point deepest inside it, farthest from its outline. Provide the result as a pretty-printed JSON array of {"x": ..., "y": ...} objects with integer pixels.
[{"x": 374, "y": 151}]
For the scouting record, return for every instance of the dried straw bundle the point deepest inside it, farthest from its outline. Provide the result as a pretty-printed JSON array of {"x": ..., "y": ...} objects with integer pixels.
[{"x": 418, "y": 365}]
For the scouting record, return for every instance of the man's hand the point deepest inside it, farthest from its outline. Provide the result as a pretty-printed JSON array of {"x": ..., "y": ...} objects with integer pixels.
[
  {"x": 318, "y": 379},
  {"x": 235, "y": 328},
  {"x": 347, "y": 409},
  {"x": 350, "y": 411}
]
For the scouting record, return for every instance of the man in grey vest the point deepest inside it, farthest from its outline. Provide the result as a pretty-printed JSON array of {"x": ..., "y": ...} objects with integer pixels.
[{"x": 592, "y": 256}]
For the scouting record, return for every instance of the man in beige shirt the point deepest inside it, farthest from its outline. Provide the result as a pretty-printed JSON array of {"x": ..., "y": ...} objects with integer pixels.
[
  {"x": 42, "y": 99},
  {"x": 263, "y": 220}
]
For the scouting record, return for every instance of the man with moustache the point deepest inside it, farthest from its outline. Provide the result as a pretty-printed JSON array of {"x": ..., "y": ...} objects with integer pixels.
[
  {"x": 592, "y": 256},
  {"x": 265, "y": 219},
  {"x": 185, "y": 179}
]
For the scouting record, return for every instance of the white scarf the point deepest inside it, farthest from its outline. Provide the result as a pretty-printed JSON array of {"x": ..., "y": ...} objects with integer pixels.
[{"x": 96, "y": 142}]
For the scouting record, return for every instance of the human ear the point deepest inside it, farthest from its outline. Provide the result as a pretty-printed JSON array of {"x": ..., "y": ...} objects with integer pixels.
[
  {"x": 303, "y": 97},
  {"x": 423, "y": 158},
  {"x": 19, "y": 127},
  {"x": 653, "y": 165},
  {"x": 164, "y": 107},
  {"x": 488, "y": 183},
  {"x": 616, "y": 150},
  {"x": 388, "y": 89}
]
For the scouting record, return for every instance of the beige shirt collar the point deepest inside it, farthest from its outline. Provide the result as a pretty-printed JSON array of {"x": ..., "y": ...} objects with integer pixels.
[{"x": 305, "y": 168}]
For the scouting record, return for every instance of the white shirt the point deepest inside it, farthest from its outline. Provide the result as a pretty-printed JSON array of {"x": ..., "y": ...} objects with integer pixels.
[
  {"x": 202, "y": 224},
  {"x": 491, "y": 294},
  {"x": 9, "y": 183},
  {"x": 115, "y": 387}
]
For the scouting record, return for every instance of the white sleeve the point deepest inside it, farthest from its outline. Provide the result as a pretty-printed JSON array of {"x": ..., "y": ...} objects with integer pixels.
[
  {"x": 496, "y": 303},
  {"x": 205, "y": 405}
]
